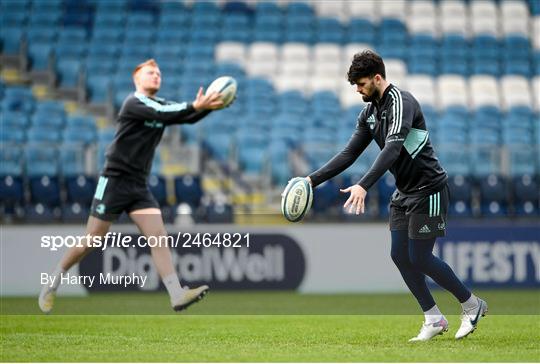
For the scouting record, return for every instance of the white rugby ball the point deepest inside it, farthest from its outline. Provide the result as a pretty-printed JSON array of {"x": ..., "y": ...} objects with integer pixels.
[
  {"x": 226, "y": 86},
  {"x": 296, "y": 199}
]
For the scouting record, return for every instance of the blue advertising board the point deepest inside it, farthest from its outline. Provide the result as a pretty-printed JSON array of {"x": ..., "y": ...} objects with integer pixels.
[{"x": 490, "y": 255}]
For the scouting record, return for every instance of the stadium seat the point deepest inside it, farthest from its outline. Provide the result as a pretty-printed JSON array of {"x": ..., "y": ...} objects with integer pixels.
[
  {"x": 158, "y": 188},
  {"x": 219, "y": 213},
  {"x": 45, "y": 190},
  {"x": 188, "y": 189}
]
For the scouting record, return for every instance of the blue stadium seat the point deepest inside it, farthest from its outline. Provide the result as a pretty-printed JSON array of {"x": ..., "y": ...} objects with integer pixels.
[
  {"x": 523, "y": 160},
  {"x": 516, "y": 48},
  {"x": 80, "y": 189},
  {"x": 18, "y": 98},
  {"x": 44, "y": 134},
  {"x": 12, "y": 135},
  {"x": 325, "y": 196},
  {"x": 11, "y": 39},
  {"x": 69, "y": 72},
  {"x": 329, "y": 30},
  {"x": 11, "y": 191},
  {"x": 525, "y": 188},
  {"x": 485, "y": 160},
  {"x": 41, "y": 159},
  {"x": 39, "y": 55},
  {"x": 13, "y": 19},
  {"x": 392, "y": 31},
  {"x": 460, "y": 209},
  {"x": 188, "y": 189},
  {"x": 72, "y": 157},
  {"x": 14, "y": 119},
  {"x": 75, "y": 212},
  {"x": 455, "y": 158},
  {"x": 42, "y": 34},
  {"x": 158, "y": 188},
  {"x": 44, "y": 190},
  {"x": 361, "y": 31},
  {"x": 98, "y": 87},
  {"x": 11, "y": 160},
  {"x": 40, "y": 213},
  {"x": 219, "y": 213}
]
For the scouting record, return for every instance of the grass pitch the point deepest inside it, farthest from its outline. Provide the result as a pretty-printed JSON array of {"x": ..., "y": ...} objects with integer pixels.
[{"x": 273, "y": 328}]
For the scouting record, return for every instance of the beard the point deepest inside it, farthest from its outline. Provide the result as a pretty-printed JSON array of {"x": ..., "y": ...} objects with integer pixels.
[
  {"x": 152, "y": 90},
  {"x": 375, "y": 95}
]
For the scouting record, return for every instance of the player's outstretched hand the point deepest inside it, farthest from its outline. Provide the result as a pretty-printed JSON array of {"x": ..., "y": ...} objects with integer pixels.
[
  {"x": 207, "y": 102},
  {"x": 356, "y": 199}
]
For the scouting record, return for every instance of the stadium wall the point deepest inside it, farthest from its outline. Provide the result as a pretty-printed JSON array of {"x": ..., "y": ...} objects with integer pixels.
[{"x": 319, "y": 258}]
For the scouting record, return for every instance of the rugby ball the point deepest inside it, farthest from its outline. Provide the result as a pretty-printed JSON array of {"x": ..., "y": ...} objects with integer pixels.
[
  {"x": 296, "y": 199},
  {"x": 226, "y": 86}
]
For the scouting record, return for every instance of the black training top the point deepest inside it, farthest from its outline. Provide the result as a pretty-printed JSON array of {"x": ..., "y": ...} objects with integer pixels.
[
  {"x": 141, "y": 122},
  {"x": 397, "y": 124}
]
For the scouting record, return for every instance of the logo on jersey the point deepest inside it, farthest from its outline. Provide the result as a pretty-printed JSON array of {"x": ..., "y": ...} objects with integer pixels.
[
  {"x": 371, "y": 122},
  {"x": 424, "y": 230},
  {"x": 153, "y": 124},
  {"x": 100, "y": 209}
]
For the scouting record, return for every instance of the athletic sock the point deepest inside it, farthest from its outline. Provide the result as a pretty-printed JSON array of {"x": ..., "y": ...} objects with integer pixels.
[
  {"x": 433, "y": 315},
  {"x": 57, "y": 274},
  {"x": 172, "y": 284},
  {"x": 470, "y": 304}
]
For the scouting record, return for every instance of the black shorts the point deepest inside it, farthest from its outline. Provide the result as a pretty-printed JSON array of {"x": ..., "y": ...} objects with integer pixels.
[
  {"x": 116, "y": 194},
  {"x": 424, "y": 217}
]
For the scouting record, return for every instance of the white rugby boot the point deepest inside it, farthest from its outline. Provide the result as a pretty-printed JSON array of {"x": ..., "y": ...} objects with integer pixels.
[
  {"x": 470, "y": 318},
  {"x": 428, "y": 331},
  {"x": 46, "y": 298},
  {"x": 190, "y": 297}
]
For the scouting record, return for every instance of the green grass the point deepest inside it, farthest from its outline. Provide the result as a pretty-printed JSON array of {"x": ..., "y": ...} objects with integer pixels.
[{"x": 208, "y": 333}]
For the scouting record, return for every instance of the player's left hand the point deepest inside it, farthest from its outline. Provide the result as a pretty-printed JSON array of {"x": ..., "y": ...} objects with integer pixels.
[
  {"x": 207, "y": 102},
  {"x": 356, "y": 199}
]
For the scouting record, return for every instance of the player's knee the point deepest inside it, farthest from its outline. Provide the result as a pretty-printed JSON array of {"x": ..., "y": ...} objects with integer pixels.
[
  {"x": 420, "y": 261},
  {"x": 398, "y": 258}
]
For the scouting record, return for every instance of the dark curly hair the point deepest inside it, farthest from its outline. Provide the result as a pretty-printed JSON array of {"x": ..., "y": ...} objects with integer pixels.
[{"x": 365, "y": 64}]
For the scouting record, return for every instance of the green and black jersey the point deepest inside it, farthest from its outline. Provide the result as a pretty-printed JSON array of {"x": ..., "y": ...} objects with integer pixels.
[
  {"x": 397, "y": 125},
  {"x": 141, "y": 123}
]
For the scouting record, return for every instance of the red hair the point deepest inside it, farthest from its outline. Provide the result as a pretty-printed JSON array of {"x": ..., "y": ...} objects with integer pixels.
[{"x": 150, "y": 62}]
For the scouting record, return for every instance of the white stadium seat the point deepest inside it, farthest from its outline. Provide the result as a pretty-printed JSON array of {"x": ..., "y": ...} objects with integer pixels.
[
  {"x": 514, "y": 9},
  {"x": 422, "y": 8},
  {"x": 453, "y": 9},
  {"x": 367, "y": 9},
  {"x": 422, "y": 25},
  {"x": 330, "y": 8},
  {"x": 295, "y": 51},
  {"x": 262, "y": 68},
  {"x": 536, "y": 32},
  {"x": 231, "y": 52},
  {"x": 484, "y": 91},
  {"x": 295, "y": 69},
  {"x": 515, "y": 91},
  {"x": 423, "y": 89},
  {"x": 515, "y": 17},
  {"x": 286, "y": 83},
  {"x": 323, "y": 52},
  {"x": 484, "y": 17},
  {"x": 263, "y": 51},
  {"x": 351, "y": 49},
  {"x": 324, "y": 84},
  {"x": 328, "y": 69},
  {"x": 396, "y": 9},
  {"x": 452, "y": 90},
  {"x": 350, "y": 97},
  {"x": 536, "y": 92},
  {"x": 454, "y": 17},
  {"x": 395, "y": 69}
]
